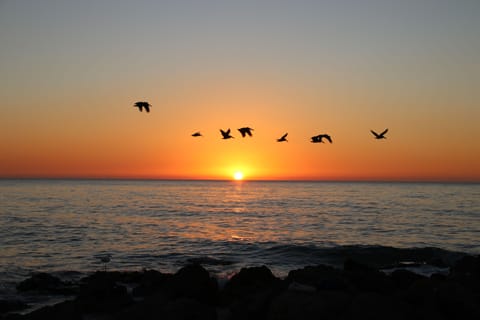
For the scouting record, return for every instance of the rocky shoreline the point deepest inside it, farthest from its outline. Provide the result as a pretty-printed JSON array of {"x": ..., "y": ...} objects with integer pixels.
[{"x": 315, "y": 292}]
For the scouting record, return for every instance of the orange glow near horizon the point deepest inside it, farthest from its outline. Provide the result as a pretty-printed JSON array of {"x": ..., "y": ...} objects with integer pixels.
[{"x": 121, "y": 142}]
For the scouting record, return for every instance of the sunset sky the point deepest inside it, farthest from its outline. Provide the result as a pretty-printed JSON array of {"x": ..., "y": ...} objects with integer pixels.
[{"x": 70, "y": 72}]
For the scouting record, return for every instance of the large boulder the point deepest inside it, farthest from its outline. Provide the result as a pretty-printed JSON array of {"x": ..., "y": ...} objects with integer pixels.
[
  {"x": 321, "y": 277},
  {"x": 467, "y": 272},
  {"x": 403, "y": 279},
  {"x": 101, "y": 293},
  {"x": 151, "y": 282},
  {"x": 248, "y": 293},
  {"x": 251, "y": 280},
  {"x": 194, "y": 282},
  {"x": 364, "y": 278},
  {"x": 46, "y": 283}
]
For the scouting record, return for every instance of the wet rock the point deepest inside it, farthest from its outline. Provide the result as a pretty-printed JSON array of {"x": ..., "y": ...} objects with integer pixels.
[
  {"x": 365, "y": 278},
  {"x": 404, "y": 279},
  {"x": 45, "y": 283},
  {"x": 321, "y": 277},
  {"x": 300, "y": 287},
  {"x": 60, "y": 311}
]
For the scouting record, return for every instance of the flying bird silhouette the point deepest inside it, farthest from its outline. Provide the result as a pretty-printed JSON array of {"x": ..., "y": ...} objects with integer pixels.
[
  {"x": 381, "y": 135},
  {"x": 245, "y": 130},
  {"x": 142, "y": 104},
  {"x": 318, "y": 138},
  {"x": 197, "y": 134},
  {"x": 283, "y": 138},
  {"x": 226, "y": 134}
]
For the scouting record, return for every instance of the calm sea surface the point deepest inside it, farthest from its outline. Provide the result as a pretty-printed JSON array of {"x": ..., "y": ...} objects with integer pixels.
[{"x": 61, "y": 225}]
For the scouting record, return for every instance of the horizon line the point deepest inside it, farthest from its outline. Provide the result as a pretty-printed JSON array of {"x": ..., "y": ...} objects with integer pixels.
[{"x": 352, "y": 180}]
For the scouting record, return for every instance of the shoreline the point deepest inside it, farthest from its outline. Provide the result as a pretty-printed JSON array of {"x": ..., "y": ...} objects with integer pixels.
[{"x": 354, "y": 291}]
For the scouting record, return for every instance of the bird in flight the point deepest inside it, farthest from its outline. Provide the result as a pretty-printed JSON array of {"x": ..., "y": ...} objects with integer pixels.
[
  {"x": 283, "y": 138},
  {"x": 317, "y": 139},
  {"x": 226, "y": 134},
  {"x": 245, "y": 130},
  {"x": 381, "y": 135},
  {"x": 142, "y": 104},
  {"x": 197, "y": 134}
]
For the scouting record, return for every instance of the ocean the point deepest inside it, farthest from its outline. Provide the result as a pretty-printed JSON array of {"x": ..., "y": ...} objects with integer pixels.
[{"x": 60, "y": 226}]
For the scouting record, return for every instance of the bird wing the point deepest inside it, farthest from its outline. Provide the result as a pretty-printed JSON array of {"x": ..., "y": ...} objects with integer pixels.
[
  {"x": 242, "y": 131},
  {"x": 383, "y": 133},
  {"x": 328, "y": 138},
  {"x": 284, "y": 136},
  {"x": 249, "y": 132},
  {"x": 147, "y": 107},
  {"x": 375, "y": 134}
]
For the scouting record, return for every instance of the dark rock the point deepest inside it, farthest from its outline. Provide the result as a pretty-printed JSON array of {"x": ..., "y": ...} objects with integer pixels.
[
  {"x": 251, "y": 280},
  {"x": 60, "y": 311},
  {"x": 151, "y": 282},
  {"x": 253, "y": 305},
  {"x": 149, "y": 308},
  {"x": 11, "y": 305},
  {"x": 249, "y": 292},
  {"x": 372, "y": 306},
  {"x": 100, "y": 292},
  {"x": 321, "y": 277},
  {"x": 321, "y": 305},
  {"x": 188, "y": 309},
  {"x": 404, "y": 278},
  {"x": 468, "y": 265},
  {"x": 421, "y": 293},
  {"x": 41, "y": 282},
  {"x": 467, "y": 272},
  {"x": 157, "y": 307},
  {"x": 438, "y": 277},
  {"x": 457, "y": 301},
  {"x": 365, "y": 278},
  {"x": 193, "y": 281}
]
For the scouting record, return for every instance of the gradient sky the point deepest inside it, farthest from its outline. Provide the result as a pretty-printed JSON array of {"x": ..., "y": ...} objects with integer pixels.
[{"x": 70, "y": 72}]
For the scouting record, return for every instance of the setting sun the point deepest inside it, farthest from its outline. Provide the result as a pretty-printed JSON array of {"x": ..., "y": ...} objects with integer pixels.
[{"x": 238, "y": 175}]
